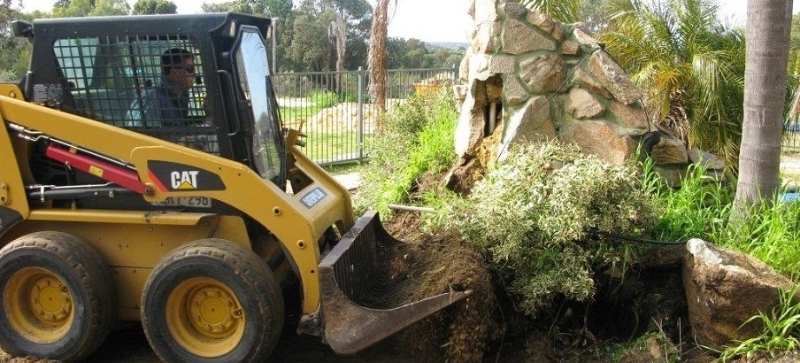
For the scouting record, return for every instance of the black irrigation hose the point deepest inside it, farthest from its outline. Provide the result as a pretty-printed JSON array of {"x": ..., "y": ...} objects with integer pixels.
[{"x": 634, "y": 239}]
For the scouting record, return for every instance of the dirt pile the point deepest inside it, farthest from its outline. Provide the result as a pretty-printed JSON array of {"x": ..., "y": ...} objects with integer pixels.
[{"x": 438, "y": 263}]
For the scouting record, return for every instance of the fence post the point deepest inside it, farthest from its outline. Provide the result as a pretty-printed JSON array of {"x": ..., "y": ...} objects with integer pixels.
[{"x": 360, "y": 97}]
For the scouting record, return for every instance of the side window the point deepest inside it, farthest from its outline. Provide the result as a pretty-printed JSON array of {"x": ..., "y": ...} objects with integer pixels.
[
  {"x": 149, "y": 83},
  {"x": 76, "y": 58},
  {"x": 93, "y": 69}
]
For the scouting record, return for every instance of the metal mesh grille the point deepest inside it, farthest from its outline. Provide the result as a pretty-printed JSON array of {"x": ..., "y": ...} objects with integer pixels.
[{"x": 120, "y": 80}]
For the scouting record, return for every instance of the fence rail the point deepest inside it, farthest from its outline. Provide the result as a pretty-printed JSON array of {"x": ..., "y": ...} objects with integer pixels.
[
  {"x": 791, "y": 136},
  {"x": 334, "y": 108}
]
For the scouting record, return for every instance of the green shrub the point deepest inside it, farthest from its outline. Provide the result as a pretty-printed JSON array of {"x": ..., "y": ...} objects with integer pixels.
[
  {"x": 417, "y": 139},
  {"x": 531, "y": 214},
  {"x": 323, "y": 99}
]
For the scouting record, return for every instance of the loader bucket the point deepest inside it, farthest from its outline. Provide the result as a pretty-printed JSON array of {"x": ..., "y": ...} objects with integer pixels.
[{"x": 360, "y": 304}]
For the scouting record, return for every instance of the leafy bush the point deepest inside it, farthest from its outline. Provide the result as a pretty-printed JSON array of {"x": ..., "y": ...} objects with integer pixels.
[
  {"x": 323, "y": 99},
  {"x": 417, "y": 138},
  {"x": 531, "y": 214}
]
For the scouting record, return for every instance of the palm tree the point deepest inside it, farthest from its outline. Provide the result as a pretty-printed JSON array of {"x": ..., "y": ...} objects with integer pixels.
[
  {"x": 768, "y": 24},
  {"x": 593, "y": 13},
  {"x": 690, "y": 65},
  {"x": 568, "y": 11}
]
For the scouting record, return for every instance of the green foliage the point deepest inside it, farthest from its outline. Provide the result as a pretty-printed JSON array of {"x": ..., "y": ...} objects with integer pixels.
[
  {"x": 771, "y": 234},
  {"x": 689, "y": 63},
  {"x": 780, "y": 334},
  {"x": 531, "y": 214},
  {"x": 619, "y": 353},
  {"x": 14, "y": 52},
  {"x": 413, "y": 53},
  {"x": 323, "y": 99},
  {"x": 568, "y": 11},
  {"x": 77, "y": 8},
  {"x": 593, "y": 13},
  {"x": 307, "y": 51},
  {"x": 699, "y": 208},
  {"x": 417, "y": 138},
  {"x": 154, "y": 7}
]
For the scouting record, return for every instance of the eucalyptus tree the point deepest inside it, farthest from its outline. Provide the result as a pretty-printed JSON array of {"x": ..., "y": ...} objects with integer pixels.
[
  {"x": 377, "y": 54},
  {"x": 14, "y": 52},
  {"x": 77, "y": 8},
  {"x": 768, "y": 26},
  {"x": 690, "y": 65},
  {"x": 142, "y": 7},
  {"x": 313, "y": 19},
  {"x": 279, "y": 10}
]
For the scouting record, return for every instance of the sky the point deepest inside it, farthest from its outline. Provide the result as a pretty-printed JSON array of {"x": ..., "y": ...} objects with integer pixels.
[{"x": 427, "y": 20}]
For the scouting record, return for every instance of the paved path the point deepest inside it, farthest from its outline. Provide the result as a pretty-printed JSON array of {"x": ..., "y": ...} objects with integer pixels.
[{"x": 351, "y": 181}]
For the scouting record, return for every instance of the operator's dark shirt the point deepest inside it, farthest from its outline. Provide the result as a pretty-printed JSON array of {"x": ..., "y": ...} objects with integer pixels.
[{"x": 159, "y": 106}]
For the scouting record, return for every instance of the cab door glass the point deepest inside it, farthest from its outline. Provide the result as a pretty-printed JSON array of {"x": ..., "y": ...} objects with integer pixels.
[{"x": 253, "y": 69}]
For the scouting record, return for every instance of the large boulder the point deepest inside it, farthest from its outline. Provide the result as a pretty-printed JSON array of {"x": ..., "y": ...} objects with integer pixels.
[
  {"x": 724, "y": 289},
  {"x": 518, "y": 38},
  {"x": 531, "y": 123},
  {"x": 613, "y": 78},
  {"x": 599, "y": 139}
]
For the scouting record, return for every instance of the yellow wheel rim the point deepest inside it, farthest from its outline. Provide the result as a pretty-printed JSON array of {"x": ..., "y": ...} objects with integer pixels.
[
  {"x": 205, "y": 317},
  {"x": 38, "y": 305}
]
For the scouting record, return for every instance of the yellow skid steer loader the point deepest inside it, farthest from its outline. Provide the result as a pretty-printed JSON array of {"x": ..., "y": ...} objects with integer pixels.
[{"x": 145, "y": 176}]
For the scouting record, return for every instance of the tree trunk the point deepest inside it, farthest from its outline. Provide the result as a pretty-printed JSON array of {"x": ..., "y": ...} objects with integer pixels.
[
  {"x": 767, "y": 34},
  {"x": 337, "y": 32},
  {"x": 377, "y": 56}
]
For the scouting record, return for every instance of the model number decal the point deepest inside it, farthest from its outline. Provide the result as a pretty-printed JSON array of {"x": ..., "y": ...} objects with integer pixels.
[
  {"x": 313, "y": 197},
  {"x": 196, "y": 202}
]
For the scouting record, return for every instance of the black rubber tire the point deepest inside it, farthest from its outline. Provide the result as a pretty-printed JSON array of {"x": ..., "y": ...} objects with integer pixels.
[
  {"x": 236, "y": 268},
  {"x": 91, "y": 287}
]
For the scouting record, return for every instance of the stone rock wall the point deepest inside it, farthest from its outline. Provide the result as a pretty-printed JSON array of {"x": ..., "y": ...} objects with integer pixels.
[{"x": 529, "y": 77}]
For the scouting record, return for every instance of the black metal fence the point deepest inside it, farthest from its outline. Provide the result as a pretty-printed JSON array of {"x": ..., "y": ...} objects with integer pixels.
[
  {"x": 791, "y": 136},
  {"x": 334, "y": 108}
]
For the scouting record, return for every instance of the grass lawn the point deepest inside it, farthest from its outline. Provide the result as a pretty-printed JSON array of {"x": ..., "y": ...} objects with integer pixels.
[{"x": 332, "y": 147}]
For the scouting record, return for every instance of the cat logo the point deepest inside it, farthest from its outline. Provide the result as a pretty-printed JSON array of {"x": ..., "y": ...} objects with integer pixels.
[
  {"x": 184, "y": 179},
  {"x": 168, "y": 177}
]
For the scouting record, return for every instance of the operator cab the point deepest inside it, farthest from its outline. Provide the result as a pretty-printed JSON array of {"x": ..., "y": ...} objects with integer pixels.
[{"x": 108, "y": 69}]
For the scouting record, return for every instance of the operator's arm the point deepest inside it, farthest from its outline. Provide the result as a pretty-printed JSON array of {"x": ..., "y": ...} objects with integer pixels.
[{"x": 144, "y": 111}]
